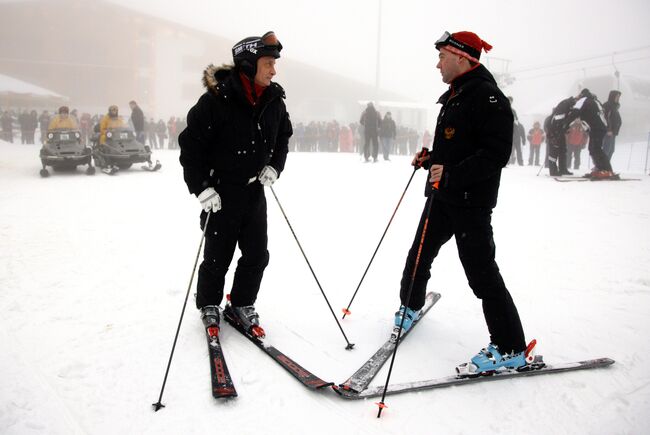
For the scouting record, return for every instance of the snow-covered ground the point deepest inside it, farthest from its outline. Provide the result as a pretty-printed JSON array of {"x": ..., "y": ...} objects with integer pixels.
[{"x": 94, "y": 271}]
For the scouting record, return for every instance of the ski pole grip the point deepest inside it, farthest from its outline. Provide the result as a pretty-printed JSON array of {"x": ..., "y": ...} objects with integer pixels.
[{"x": 420, "y": 157}]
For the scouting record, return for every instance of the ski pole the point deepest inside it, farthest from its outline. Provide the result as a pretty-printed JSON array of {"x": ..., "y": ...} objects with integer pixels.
[
  {"x": 381, "y": 403},
  {"x": 645, "y": 169},
  {"x": 349, "y": 345},
  {"x": 346, "y": 310},
  {"x": 158, "y": 404}
]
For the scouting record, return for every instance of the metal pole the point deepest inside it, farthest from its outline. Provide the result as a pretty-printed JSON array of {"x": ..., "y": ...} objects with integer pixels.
[
  {"x": 381, "y": 404},
  {"x": 346, "y": 310},
  {"x": 158, "y": 404},
  {"x": 645, "y": 169},
  {"x": 349, "y": 345},
  {"x": 629, "y": 160}
]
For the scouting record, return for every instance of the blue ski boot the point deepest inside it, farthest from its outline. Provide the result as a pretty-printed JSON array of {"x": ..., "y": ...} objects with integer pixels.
[
  {"x": 489, "y": 361},
  {"x": 411, "y": 317}
]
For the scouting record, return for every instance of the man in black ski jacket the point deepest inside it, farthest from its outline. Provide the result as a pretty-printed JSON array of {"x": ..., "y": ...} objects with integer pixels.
[
  {"x": 614, "y": 122},
  {"x": 557, "y": 126},
  {"x": 235, "y": 143},
  {"x": 137, "y": 119},
  {"x": 370, "y": 119},
  {"x": 588, "y": 108},
  {"x": 472, "y": 143}
]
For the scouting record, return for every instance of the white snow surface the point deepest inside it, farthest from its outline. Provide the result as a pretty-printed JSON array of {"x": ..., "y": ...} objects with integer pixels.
[{"x": 94, "y": 271}]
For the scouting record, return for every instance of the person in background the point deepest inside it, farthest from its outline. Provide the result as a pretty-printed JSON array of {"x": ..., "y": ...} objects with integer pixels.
[
  {"x": 43, "y": 123},
  {"x": 518, "y": 140},
  {"x": 151, "y": 133},
  {"x": 63, "y": 120},
  {"x": 7, "y": 123},
  {"x": 161, "y": 132},
  {"x": 614, "y": 122},
  {"x": 173, "y": 133},
  {"x": 588, "y": 108},
  {"x": 137, "y": 120},
  {"x": 535, "y": 138},
  {"x": 370, "y": 120},
  {"x": 85, "y": 124},
  {"x": 577, "y": 137},
  {"x": 110, "y": 121},
  {"x": 387, "y": 134}
]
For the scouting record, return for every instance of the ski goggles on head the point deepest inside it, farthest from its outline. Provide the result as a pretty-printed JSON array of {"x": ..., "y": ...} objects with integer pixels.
[
  {"x": 271, "y": 42},
  {"x": 457, "y": 47}
]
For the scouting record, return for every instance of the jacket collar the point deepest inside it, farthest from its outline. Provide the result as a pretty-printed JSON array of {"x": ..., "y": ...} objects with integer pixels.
[
  {"x": 224, "y": 81},
  {"x": 469, "y": 78}
]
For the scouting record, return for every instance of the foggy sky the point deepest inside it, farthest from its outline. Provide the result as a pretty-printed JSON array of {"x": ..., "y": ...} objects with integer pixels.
[{"x": 341, "y": 36}]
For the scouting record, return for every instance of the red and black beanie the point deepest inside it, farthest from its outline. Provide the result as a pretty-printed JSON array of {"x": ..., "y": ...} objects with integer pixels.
[{"x": 466, "y": 44}]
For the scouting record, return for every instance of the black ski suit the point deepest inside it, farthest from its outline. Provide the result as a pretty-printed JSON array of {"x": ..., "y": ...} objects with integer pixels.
[
  {"x": 557, "y": 127},
  {"x": 473, "y": 140},
  {"x": 588, "y": 108},
  {"x": 225, "y": 145}
]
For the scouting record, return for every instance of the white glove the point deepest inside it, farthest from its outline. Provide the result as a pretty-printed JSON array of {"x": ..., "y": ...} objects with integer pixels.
[
  {"x": 268, "y": 175},
  {"x": 210, "y": 200}
]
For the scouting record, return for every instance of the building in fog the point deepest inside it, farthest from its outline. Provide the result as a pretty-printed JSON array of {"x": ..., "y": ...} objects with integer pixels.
[{"x": 97, "y": 53}]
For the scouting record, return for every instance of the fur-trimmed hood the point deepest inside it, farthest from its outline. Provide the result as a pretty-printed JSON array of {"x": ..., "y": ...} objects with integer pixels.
[{"x": 213, "y": 75}]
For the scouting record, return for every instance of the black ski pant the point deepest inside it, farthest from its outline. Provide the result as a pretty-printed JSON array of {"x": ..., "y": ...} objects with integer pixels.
[
  {"x": 374, "y": 138},
  {"x": 516, "y": 153},
  {"x": 557, "y": 155},
  {"x": 241, "y": 221},
  {"x": 601, "y": 161},
  {"x": 472, "y": 229}
]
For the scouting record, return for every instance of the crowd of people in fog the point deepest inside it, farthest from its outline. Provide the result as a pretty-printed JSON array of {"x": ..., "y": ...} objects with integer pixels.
[
  {"x": 373, "y": 134},
  {"x": 22, "y": 124},
  {"x": 333, "y": 136}
]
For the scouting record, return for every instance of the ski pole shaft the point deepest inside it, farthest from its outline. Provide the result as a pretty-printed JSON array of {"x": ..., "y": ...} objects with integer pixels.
[
  {"x": 645, "y": 168},
  {"x": 346, "y": 310},
  {"x": 158, "y": 405},
  {"x": 349, "y": 345},
  {"x": 381, "y": 404}
]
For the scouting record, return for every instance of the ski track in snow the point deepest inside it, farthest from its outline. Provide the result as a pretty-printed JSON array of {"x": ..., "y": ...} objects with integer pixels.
[{"x": 94, "y": 271}]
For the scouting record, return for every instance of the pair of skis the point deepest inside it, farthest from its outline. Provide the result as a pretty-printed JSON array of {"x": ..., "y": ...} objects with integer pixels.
[
  {"x": 222, "y": 384},
  {"x": 566, "y": 179},
  {"x": 357, "y": 385}
]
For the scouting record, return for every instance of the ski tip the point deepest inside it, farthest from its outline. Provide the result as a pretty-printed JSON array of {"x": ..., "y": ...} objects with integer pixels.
[
  {"x": 224, "y": 392},
  {"x": 157, "y": 406}
]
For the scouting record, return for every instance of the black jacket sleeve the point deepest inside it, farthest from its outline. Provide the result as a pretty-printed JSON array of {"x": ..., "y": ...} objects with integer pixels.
[
  {"x": 285, "y": 131},
  {"x": 193, "y": 142}
]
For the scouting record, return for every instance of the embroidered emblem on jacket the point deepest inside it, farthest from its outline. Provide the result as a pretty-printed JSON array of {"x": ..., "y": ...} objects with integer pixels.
[{"x": 449, "y": 132}]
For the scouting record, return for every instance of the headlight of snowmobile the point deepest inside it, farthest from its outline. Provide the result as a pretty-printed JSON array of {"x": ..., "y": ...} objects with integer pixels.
[
  {"x": 77, "y": 135},
  {"x": 109, "y": 134},
  {"x": 50, "y": 135}
]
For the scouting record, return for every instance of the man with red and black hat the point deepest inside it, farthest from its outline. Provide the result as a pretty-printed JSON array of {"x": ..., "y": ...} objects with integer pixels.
[
  {"x": 235, "y": 143},
  {"x": 472, "y": 143}
]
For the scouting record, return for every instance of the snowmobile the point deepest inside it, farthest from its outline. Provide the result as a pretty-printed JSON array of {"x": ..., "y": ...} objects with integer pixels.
[
  {"x": 63, "y": 151},
  {"x": 120, "y": 151}
]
